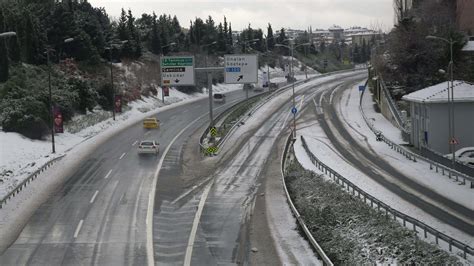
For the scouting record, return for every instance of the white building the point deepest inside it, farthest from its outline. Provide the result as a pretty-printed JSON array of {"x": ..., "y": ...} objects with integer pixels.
[{"x": 429, "y": 112}]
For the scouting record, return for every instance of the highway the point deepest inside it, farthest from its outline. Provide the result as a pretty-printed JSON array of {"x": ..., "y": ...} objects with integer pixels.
[
  {"x": 99, "y": 215},
  {"x": 375, "y": 167}
]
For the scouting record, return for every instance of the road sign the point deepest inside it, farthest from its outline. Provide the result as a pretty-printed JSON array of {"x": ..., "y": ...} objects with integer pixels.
[
  {"x": 213, "y": 131},
  {"x": 294, "y": 110},
  {"x": 453, "y": 141},
  {"x": 177, "y": 71},
  {"x": 361, "y": 88},
  {"x": 240, "y": 69}
]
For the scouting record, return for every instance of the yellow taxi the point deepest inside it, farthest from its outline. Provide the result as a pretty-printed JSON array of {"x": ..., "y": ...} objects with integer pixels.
[{"x": 151, "y": 122}]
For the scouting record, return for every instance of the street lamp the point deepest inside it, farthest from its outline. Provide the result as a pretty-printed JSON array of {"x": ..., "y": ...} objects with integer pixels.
[
  {"x": 7, "y": 34},
  {"x": 209, "y": 83},
  {"x": 451, "y": 104},
  {"x": 109, "y": 48},
  {"x": 169, "y": 44},
  {"x": 245, "y": 42},
  {"x": 48, "y": 50},
  {"x": 291, "y": 48}
]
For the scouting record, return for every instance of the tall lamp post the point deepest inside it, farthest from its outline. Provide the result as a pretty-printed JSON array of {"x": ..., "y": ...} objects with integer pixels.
[
  {"x": 51, "y": 115},
  {"x": 292, "y": 48},
  {"x": 209, "y": 84},
  {"x": 449, "y": 41},
  {"x": 109, "y": 48}
]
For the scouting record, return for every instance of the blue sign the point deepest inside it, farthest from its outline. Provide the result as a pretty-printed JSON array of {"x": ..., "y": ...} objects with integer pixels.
[
  {"x": 294, "y": 110},
  {"x": 361, "y": 88},
  {"x": 232, "y": 69}
]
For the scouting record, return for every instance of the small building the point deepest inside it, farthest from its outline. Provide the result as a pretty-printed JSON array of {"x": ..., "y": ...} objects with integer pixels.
[{"x": 430, "y": 110}]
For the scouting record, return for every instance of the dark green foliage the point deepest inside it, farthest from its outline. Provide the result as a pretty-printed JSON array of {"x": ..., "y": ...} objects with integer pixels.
[
  {"x": 350, "y": 231},
  {"x": 104, "y": 97}
]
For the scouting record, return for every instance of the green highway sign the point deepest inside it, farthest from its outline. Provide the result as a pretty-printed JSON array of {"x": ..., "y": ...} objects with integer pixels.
[{"x": 177, "y": 71}]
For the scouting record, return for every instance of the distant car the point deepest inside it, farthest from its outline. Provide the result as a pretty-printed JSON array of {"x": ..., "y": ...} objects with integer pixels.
[
  {"x": 258, "y": 89},
  {"x": 151, "y": 122},
  {"x": 249, "y": 86},
  {"x": 464, "y": 155},
  {"x": 273, "y": 86},
  {"x": 149, "y": 147},
  {"x": 219, "y": 98}
]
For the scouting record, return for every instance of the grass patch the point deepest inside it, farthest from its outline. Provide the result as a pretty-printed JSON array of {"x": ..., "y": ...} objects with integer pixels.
[{"x": 350, "y": 231}]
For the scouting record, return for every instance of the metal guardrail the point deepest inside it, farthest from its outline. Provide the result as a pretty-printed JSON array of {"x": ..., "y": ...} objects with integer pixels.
[
  {"x": 393, "y": 107},
  {"x": 27, "y": 181},
  {"x": 222, "y": 141},
  {"x": 357, "y": 192},
  {"x": 451, "y": 173},
  {"x": 309, "y": 236}
]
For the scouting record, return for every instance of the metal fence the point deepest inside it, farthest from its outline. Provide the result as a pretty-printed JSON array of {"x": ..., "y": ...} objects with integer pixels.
[
  {"x": 27, "y": 181},
  {"x": 322, "y": 255},
  {"x": 438, "y": 167},
  {"x": 417, "y": 226}
]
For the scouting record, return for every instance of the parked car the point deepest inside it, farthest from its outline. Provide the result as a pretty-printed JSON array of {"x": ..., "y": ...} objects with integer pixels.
[
  {"x": 219, "y": 98},
  {"x": 464, "y": 155},
  {"x": 151, "y": 122},
  {"x": 148, "y": 147}
]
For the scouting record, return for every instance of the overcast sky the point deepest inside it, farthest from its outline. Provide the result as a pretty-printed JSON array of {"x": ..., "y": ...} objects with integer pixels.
[{"x": 296, "y": 14}]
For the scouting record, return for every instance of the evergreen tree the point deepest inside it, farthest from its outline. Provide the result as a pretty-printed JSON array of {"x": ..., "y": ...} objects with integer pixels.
[
  {"x": 122, "y": 30},
  {"x": 270, "y": 38},
  {"x": 230, "y": 40},
  {"x": 155, "y": 37},
  {"x": 221, "y": 45},
  {"x": 3, "y": 61}
]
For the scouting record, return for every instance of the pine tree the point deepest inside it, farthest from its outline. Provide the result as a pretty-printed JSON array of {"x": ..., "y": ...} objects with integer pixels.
[
  {"x": 270, "y": 38},
  {"x": 155, "y": 37},
  {"x": 230, "y": 40},
  {"x": 122, "y": 26},
  {"x": 3, "y": 61},
  {"x": 221, "y": 38}
]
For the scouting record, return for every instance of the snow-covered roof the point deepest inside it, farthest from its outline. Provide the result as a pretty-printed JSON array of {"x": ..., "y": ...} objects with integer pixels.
[
  {"x": 463, "y": 92},
  {"x": 335, "y": 27},
  {"x": 469, "y": 47}
]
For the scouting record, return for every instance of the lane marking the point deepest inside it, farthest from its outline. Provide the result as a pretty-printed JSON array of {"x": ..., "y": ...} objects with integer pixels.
[
  {"x": 197, "y": 218},
  {"x": 135, "y": 143},
  {"x": 151, "y": 197},
  {"x": 78, "y": 228},
  {"x": 122, "y": 156},
  {"x": 93, "y": 197},
  {"x": 147, "y": 133},
  {"x": 108, "y": 174}
]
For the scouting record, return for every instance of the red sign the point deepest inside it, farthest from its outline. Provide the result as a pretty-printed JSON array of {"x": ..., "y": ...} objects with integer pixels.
[
  {"x": 58, "y": 120},
  {"x": 118, "y": 103},
  {"x": 166, "y": 91}
]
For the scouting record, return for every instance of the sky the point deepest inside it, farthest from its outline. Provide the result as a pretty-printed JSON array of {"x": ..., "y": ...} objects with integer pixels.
[{"x": 294, "y": 14}]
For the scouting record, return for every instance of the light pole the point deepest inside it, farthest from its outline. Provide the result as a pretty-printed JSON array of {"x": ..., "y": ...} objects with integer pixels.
[
  {"x": 291, "y": 48},
  {"x": 209, "y": 84},
  {"x": 51, "y": 115},
  {"x": 451, "y": 104},
  {"x": 109, "y": 48},
  {"x": 6, "y": 35}
]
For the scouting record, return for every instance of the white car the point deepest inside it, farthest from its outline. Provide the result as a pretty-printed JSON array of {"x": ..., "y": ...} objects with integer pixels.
[
  {"x": 464, "y": 155},
  {"x": 219, "y": 98},
  {"x": 149, "y": 147}
]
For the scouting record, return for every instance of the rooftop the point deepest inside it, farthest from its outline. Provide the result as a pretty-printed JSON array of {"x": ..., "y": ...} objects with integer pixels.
[
  {"x": 463, "y": 92},
  {"x": 469, "y": 47}
]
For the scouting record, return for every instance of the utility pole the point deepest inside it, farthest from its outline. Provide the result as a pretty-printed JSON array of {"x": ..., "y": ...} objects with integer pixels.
[{"x": 50, "y": 101}]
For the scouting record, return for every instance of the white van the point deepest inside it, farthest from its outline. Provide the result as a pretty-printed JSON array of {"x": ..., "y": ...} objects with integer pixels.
[{"x": 219, "y": 98}]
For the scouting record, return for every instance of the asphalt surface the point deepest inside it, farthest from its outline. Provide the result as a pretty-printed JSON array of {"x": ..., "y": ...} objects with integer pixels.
[
  {"x": 99, "y": 215},
  {"x": 381, "y": 171}
]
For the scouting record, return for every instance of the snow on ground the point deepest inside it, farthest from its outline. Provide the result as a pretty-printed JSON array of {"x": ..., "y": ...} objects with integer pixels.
[
  {"x": 320, "y": 145},
  {"x": 419, "y": 171},
  {"x": 20, "y": 156}
]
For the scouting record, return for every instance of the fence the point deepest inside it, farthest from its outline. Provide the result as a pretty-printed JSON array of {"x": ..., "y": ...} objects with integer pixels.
[
  {"x": 357, "y": 192},
  {"x": 451, "y": 173},
  {"x": 27, "y": 181},
  {"x": 271, "y": 95},
  {"x": 309, "y": 236}
]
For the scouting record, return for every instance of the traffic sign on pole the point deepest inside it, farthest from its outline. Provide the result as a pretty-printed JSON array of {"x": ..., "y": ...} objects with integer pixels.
[
  {"x": 240, "y": 69},
  {"x": 177, "y": 71},
  {"x": 294, "y": 110}
]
